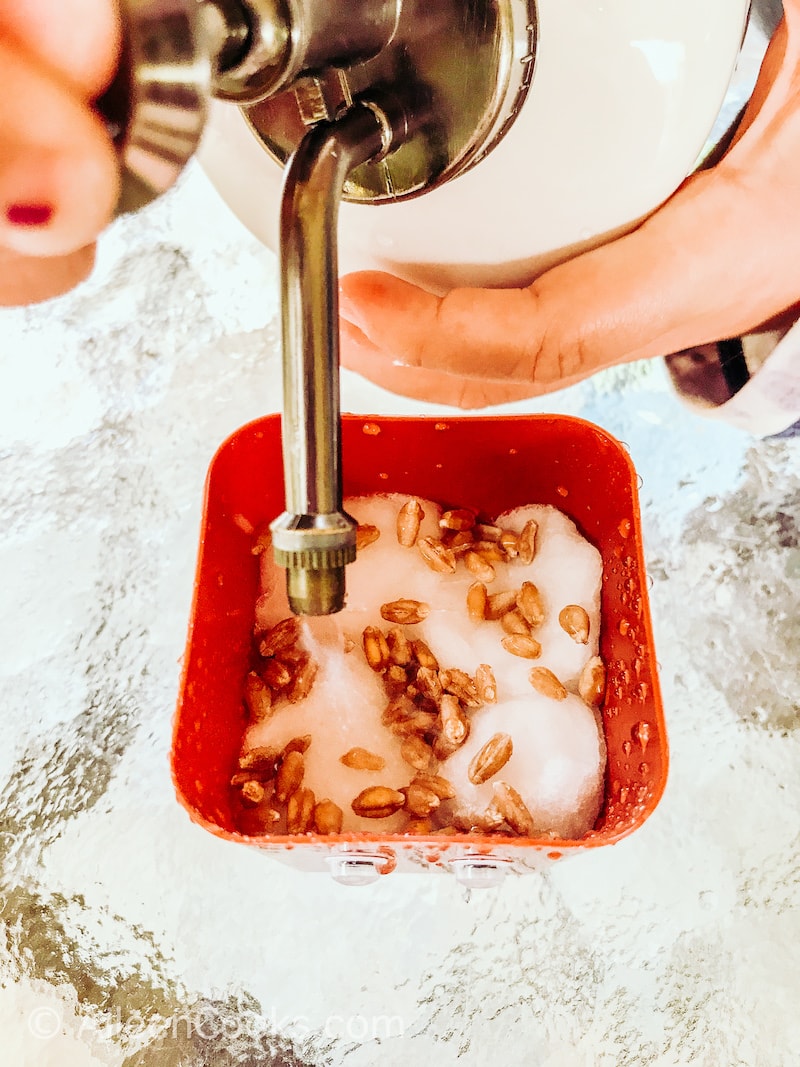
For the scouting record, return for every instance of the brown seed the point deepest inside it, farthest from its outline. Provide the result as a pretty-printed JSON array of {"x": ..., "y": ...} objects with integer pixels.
[
  {"x": 376, "y": 648},
  {"x": 460, "y": 542},
  {"x": 575, "y": 621},
  {"x": 258, "y": 820},
  {"x": 526, "y": 542},
  {"x": 328, "y": 817},
  {"x": 398, "y": 710},
  {"x": 457, "y": 519},
  {"x": 437, "y": 555},
  {"x": 513, "y": 622},
  {"x": 476, "y": 601},
  {"x": 252, "y": 793},
  {"x": 377, "y": 802},
  {"x": 592, "y": 682},
  {"x": 477, "y": 565},
  {"x": 283, "y": 635},
  {"x": 429, "y": 683},
  {"x": 240, "y": 777},
  {"x": 482, "y": 822},
  {"x": 405, "y": 612},
  {"x": 497, "y": 604},
  {"x": 297, "y": 744},
  {"x": 423, "y": 655},
  {"x": 303, "y": 681},
  {"x": 461, "y": 686},
  {"x": 510, "y": 542},
  {"x": 520, "y": 645},
  {"x": 260, "y": 763},
  {"x": 490, "y": 551},
  {"x": 494, "y": 755},
  {"x": 289, "y": 776},
  {"x": 530, "y": 604},
  {"x": 300, "y": 811},
  {"x": 419, "y": 827},
  {"x": 416, "y": 753},
  {"x": 485, "y": 532},
  {"x": 419, "y": 723},
  {"x": 396, "y": 679},
  {"x": 366, "y": 534},
  {"x": 257, "y": 698},
  {"x": 419, "y": 800},
  {"x": 276, "y": 674},
  {"x": 443, "y": 749},
  {"x": 400, "y": 649},
  {"x": 512, "y": 807},
  {"x": 408, "y": 522},
  {"x": 360, "y": 759},
  {"x": 262, "y": 541},
  {"x": 454, "y": 725},
  {"x": 485, "y": 684},
  {"x": 546, "y": 683},
  {"x": 436, "y": 784}
]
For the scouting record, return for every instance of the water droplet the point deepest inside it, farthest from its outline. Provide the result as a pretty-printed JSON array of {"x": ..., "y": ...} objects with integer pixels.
[
  {"x": 642, "y": 690},
  {"x": 623, "y": 627},
  {"x": 615, "y": 787},
  {"x": 637, "y": 666},
  {"x": 371, "y": 429},
  {"x": 644, "y": 768},
  {"x": 626, "y": 747},
  {"x": 623, "y": 795},
  {"x": 625, "y": 528},
  {"x": 641, "y": 735},
  {"x": 562, "y": 490},
  {"x": 383, "y": 476}
]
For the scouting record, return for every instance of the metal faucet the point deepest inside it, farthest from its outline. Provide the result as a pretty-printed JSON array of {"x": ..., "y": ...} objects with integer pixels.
[{"x": 375, "y": 100}]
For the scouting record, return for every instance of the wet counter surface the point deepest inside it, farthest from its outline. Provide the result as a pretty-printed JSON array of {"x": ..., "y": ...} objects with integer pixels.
[{"x": 131, "y": 937}]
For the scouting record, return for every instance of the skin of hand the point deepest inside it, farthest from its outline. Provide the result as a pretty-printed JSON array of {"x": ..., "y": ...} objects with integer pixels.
[
  {"x": 717, "y": 260},
  {"x": 58, "y": 170}
]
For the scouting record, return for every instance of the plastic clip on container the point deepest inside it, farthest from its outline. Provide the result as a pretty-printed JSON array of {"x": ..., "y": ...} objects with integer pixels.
[{"x": 499, "y": 463}]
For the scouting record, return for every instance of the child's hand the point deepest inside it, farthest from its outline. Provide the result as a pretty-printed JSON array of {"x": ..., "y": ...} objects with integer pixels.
[
  {"x": 719, "y": 259},
  {"x": 58, "y": 170}
]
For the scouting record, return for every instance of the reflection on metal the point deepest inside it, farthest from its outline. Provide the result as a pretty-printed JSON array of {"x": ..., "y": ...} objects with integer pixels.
[
  {"x": 314, "y": 539},
  {"x": 291, "y": 63},
  {"x": 468, "y": 62},
  {"x": 155, "y": 109}
]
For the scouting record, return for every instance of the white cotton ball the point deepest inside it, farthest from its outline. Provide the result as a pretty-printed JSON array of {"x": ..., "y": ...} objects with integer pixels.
[
  {"x": 559, "y": 752},
  {"x": 557, "y": 763}
]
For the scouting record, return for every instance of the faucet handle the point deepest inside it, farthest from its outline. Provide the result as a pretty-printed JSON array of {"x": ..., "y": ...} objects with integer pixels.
[{"x": 176, "y": 54}]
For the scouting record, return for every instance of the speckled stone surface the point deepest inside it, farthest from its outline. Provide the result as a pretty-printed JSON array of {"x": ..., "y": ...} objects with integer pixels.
[{"x": 131, "y": 937}]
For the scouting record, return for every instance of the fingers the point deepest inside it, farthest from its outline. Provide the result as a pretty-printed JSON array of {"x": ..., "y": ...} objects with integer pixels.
[
  {"x": 58, "y": 169},
  {"x": 694, "y": 272},
  {"x": 77, "y": 41},
  {"x": 29, "y": 280},
  {"x": 419, "y": 383}
]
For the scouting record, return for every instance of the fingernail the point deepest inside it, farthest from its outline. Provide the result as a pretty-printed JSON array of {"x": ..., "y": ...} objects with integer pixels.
[{"x": 29, "y": 215}]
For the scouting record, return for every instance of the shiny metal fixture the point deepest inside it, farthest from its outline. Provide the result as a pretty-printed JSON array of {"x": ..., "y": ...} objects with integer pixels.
[
  {"x": 373, "y": 100},
  {"x": 314, "y": 539}
]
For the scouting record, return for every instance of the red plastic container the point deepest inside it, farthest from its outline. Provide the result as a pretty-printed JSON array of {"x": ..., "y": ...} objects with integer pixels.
[{"x": 496, "y": 464}]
